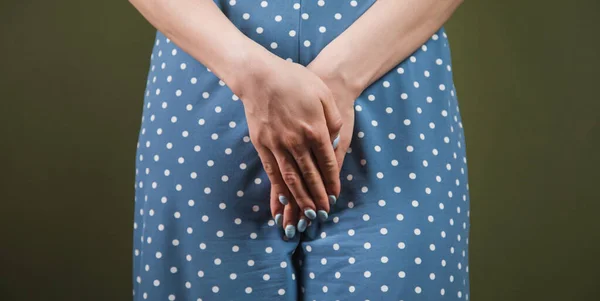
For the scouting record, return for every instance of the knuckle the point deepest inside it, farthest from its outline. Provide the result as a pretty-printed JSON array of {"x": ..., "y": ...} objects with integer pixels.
[
  {"x": 298, "y": 148},
  {"x": 258, "y": 137},
  {"x": 331, "y": 165},
  {"x": 326, "y": 94},
  {"x": 311, "y": 133},
  {"x": 288, "y": 139},
  {"x": 290, "y": 178},
  {"x": 322, "y": 146},
  {"x": 294, "y": 144},
  {"x": 269, "y": 167},
  {"x": 311, "y": 177},
  {"x": 336, "y": 124}
]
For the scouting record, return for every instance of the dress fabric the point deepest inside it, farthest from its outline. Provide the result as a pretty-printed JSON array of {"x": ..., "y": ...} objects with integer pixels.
[{"x": 203, "y": 230}]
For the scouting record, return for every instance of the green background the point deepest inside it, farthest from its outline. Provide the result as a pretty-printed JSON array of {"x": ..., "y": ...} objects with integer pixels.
[{"x": 72, "y": 80}]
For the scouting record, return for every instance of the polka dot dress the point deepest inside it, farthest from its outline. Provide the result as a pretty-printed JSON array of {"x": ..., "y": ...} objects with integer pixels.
[{"x": 203, "y": 230}]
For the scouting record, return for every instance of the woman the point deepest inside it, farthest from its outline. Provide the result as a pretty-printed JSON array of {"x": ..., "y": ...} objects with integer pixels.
[{"x": 240, "y": 194}]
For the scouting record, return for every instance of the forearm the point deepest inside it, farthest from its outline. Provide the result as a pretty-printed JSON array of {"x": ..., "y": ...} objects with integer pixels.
[
  {"x": 386, "y": 34},
  {"x": 191, "y": 24}
]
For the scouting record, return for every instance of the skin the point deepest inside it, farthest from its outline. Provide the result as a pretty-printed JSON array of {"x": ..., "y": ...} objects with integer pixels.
[
  {"x": 291, "y": 113},
  {"x": 387, "y": 33}
]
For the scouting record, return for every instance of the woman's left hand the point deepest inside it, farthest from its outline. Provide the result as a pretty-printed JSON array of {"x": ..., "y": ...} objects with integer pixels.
[{"x": 344, "y": 96}]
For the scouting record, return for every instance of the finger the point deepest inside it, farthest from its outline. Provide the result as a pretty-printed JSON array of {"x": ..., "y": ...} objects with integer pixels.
[
  {"x": 279, "y": 192},
  {"x": 293, "y": 181},
  {"x": 276, "y": 207},
  {"x": 336, "y": 141},
  {"x": 312, "y": 176},
  {"x": 303, "y": 222},
  {"x": 342, "y": 149},
  {"x": 326, "y": 159},
  {"x": 340, "y": 154},
  {"x": 290, "y": 214},
  {"x": 291, "y": 218},
  {"x": 333, "y": 116}
]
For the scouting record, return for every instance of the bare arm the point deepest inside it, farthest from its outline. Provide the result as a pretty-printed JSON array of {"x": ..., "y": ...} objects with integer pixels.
[
  {"x": 289, "y": 110},
  {"x": 190, "y": 24},
  {"x": 387, "y": 33}
]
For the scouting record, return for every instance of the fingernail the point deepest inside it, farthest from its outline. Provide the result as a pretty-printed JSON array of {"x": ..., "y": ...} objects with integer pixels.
[
  {"x": 290, "y": 231},
  {"x": 310, "y": 213},
  {"x": 283, "y": 199},
  {"x": 278, "y": 218},
  {"x": 302, "y": 225},
  {"x": 336, "y": 141},
  {"x": 323, "y": 215},
  {"x": 332, "y": 199}
]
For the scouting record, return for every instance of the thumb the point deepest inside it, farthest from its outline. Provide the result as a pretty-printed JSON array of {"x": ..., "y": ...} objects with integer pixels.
[
  {"x": 332, "y": 117},
  {"x": 340, "y": 153}
]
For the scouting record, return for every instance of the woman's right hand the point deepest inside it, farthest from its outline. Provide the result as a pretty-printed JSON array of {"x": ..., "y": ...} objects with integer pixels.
[{"x": 292, "y": 116}]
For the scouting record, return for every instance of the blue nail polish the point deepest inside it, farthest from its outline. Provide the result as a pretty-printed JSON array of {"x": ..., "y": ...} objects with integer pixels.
[
  {"x": 283, "y": 199},
  {"x": 290, "y": 231},
  {"x": 278, "y": 218},
  {"x": 336, "y": 141},
  {"x": 302, "y": 225},
  {"x": 323, "y": 215},
  {"x": 310, "y": 213},
  {"x": 332, "y": 199}
]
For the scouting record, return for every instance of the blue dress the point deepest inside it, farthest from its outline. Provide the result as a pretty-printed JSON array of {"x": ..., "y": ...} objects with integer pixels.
[{"x": 203, "y": 228}]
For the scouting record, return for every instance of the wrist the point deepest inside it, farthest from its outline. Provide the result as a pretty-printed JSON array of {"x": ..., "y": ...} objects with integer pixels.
[
  {"x": 337, "y": 69},
  {"x": 246, "y": 66}
]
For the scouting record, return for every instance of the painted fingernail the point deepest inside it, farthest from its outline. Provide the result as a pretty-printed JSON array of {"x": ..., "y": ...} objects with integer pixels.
[
  {"x": 323, "y": 215},
  {"x": 332, "y": 199},
  {"x": 302, "y": 225},
  {"x": 283, "y": 199},
  {"x": 310, "y": 213},
  {"x": 336, "y": 141},
  {"x": 278, "y": 218},
  {"x": 290, "y": 231}
]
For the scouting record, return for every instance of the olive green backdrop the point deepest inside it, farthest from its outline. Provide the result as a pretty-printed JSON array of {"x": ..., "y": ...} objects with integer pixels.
[{"x": 72, "y": 77}]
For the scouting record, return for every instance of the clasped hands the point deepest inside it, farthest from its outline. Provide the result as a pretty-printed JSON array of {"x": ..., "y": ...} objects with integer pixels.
[{"x": 300, "y": 120}]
